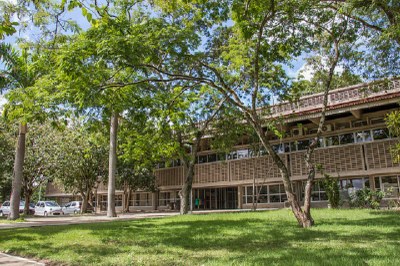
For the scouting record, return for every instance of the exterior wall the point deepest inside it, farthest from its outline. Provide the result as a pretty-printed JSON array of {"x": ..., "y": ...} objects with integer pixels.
[{"x": 367, "y": 160}]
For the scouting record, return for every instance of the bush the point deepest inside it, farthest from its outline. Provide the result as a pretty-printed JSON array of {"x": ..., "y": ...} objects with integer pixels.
[
  {"x": 366, "y": 198},
  {"x": 331, "y": 186}
]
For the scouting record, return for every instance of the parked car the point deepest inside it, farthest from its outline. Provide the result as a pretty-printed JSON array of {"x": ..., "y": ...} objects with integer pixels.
[
  {"x": 75, "y": 207},
  {"x": 5, "y": 209},
  {"x": 47, "y": 208}
]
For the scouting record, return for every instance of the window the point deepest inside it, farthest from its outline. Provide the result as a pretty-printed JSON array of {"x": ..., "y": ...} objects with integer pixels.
[
  {"x": 381, "y": 133},
  {"x": 363, "y": 136},
  {"x": 233, "y": 155},
  {"x": 277, "y": 193},
  {"x": 164, "y": 198},
  {"x": 212, "y": 157},
  {"x": 317, "y": 193},
  {"x": 221, "y": 156},
  {"x": 242, "y": 153},
  {"x": 118, "y": 200},
  {"x": 202, "y": 159},
  {"x": 346, "y": 138},
  {"x": 143, "y": 199},
  {"x": 293, "y": 146},
  {"x": 388, "y": 184},
  {"x": 332, "y": 141},
  {"x": 262, "y": 192},
  {"x": 303, "y": 144},
  {"x": 281, "y": 148}
]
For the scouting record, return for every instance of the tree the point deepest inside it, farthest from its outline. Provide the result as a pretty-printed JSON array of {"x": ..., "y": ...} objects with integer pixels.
[
  {"x": 244, "y": 63},
  {"x": 6, "y": 153},
  {"x": 17, "y": 76},
  {"x": 40, "y": 163},
  {"x": 81, "y": 160}
]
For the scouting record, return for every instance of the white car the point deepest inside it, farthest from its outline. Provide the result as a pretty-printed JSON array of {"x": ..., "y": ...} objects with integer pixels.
[{"x": 47, "y": 208}]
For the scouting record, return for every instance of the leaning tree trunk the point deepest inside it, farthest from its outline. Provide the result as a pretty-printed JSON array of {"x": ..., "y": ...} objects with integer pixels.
[
  {"x": 18, "y": 172},
  {"x": 303, "y": 219},
  {"x": 112, "y": 165}
]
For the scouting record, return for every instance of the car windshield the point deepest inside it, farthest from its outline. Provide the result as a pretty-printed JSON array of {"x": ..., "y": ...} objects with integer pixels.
[
  {"x": 22, "y": 203},
  {"x": 51, "y": 204},
  {"x": 32, "y": 205}
]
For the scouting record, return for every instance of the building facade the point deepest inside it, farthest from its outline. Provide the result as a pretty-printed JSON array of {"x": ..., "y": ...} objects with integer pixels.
[{"x": 355, "y": 147}]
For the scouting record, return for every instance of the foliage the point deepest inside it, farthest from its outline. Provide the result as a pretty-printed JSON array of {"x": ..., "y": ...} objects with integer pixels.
[
  {"x": 331, "y": 186},
  {"x": 81, "y": 159},
  {"x": 7, "y": 159},
  {"x": 41, "y": 156},
  {"x": 366, "y": 198},
  {"x": 393, "y": 124},
  {"x": 342, "y": 237}
]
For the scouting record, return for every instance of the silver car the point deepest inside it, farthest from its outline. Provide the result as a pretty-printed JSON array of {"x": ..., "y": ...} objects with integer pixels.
[
  {"x": 74, "y": 207},
  {"x": 47, "y": 208},
  {"x": 5, "y": 209}
]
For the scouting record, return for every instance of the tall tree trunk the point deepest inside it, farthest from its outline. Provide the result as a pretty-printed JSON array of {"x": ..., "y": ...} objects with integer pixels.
[
  {"x": 112, "y": 165},
  {"x": 27, "y": 195},
  {"x": 184, "y": 194},
  {"x": 85, "y": 200},
  {"x": 127, "y": 194},
  {"x": 18, "y": 172}
]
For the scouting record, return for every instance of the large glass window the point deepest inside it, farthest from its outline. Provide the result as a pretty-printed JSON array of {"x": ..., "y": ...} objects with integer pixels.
[
  {"x": 143, "y": 199},
  {"x": 363, "y": 136},
  {"x": 381, "y": 133},
  {"x": 331, "y": 141},
  {"x": 164, "y": 198},
  {"x": 243, "y": 153},
  {"x": 346, "y": 138},
  {"x": 317, "y": 193},
  {"x": 277, "y": 193},
  {"x": 118, "y": 200},
  {"x": 233, "y": 155},
  {"x": 389, "y": 184},
  {"x": 303, "y": 144},
  {"x": 202, "y": 158},
  {"x": 212, "y": 157},
  {"x": 266, "y": 193}
]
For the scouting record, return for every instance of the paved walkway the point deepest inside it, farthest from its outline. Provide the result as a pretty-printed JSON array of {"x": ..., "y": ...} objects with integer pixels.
[
  {"x": 6, "y": 259},
  {"x": 98, "y": 218}
]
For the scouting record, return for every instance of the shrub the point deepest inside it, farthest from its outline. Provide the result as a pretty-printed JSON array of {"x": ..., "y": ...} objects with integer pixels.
[
  {"x": 366, "y": 198},
  {"x": 331, "y": 186}
]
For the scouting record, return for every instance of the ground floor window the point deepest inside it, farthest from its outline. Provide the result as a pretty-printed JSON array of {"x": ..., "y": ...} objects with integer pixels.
[
  {"x": 317, "y": 193},
  {"x": 388, "y": 184},
  {"x": 142, "y": 199},
  {"x": 164, "y": 198},
  {"x": 104, "y": 201},
  {"x": 266, "y": 194}
]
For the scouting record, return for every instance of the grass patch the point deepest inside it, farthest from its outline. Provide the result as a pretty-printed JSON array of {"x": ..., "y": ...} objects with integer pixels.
[{"x": 340, "y": 237}]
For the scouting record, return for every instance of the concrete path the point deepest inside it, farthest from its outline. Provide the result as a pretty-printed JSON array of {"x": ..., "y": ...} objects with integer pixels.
[{"x": 6, "y": 259}]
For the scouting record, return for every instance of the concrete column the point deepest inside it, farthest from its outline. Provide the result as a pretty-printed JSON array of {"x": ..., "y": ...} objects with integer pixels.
[{"x": 240, "y": 197}]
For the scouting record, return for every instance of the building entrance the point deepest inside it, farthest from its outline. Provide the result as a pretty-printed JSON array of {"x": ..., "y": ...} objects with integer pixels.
[{"x": 215, "y": 198}]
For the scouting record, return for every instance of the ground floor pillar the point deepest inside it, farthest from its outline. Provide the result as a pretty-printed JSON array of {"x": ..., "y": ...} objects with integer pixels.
[{"x": 240, "y": 197}]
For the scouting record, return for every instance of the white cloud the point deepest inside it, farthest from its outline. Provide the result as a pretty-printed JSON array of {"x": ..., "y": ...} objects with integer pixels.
[{"x": 307, "y": 72}]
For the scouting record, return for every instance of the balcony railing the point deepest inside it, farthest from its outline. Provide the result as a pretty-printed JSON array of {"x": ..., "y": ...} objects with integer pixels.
[{"x": 335, "y": 97}]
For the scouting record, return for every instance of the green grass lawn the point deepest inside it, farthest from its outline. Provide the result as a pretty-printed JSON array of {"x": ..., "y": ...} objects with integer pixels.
[{"x": 340, "y": 237}]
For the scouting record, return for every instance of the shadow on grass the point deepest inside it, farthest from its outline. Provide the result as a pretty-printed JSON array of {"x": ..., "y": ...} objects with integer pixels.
[{"x": 223, "y": 240}]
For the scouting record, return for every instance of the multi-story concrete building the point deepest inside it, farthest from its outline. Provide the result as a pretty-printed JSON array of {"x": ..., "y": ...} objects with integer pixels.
[{"x": 355, "y": 147}]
